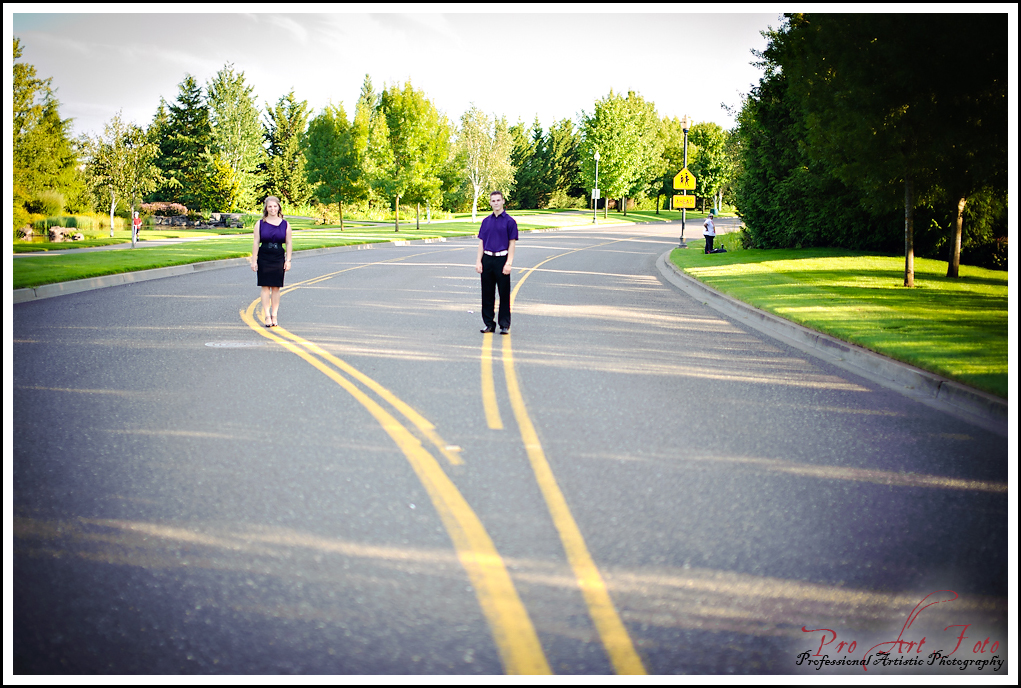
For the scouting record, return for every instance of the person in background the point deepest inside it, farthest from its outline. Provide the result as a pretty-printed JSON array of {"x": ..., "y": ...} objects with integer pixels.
[
  {"x": 709, "y": 232},
  {"x": 497, "y": 237},
  {"x": 136, "y": 226},
  {"x": 271, "y": 256}
]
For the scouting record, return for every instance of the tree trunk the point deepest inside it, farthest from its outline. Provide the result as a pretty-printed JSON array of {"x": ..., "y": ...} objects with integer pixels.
[
  {"x": 418, "y": 210},
  {"x": 113, "y": 206},
  {"x": 909, "y": 233},
  {"x": 954, "y": 261},
  {"x": 132, "y": 215},
  {"x": 428, "y": 213},
  {"x": 397, "y": 213},
  {"x": 340, "y": 211},
  {"x": 657, "y": 203}
]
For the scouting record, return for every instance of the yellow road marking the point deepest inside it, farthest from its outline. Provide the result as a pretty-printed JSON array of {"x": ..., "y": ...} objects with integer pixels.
[
  {"x": 609, "y": 626},
  {"x": 488, "y": 388},
  {"x": 513, "y": 632},
  {"x": 423, "y": 425}
]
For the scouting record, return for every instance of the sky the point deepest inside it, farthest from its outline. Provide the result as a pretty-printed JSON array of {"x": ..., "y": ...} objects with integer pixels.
[{"x": 551, "y": 61}]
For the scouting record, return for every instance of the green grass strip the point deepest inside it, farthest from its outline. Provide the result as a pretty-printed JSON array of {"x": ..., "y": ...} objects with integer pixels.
[{"x": 956, "y": 328}]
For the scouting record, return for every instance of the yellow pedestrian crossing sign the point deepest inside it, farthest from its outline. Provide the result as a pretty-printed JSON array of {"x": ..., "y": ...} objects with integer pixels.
[{"x": 684, "y": 181}]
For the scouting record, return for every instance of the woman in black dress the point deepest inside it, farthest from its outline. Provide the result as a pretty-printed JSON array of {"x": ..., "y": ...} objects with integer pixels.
[{"x": 271, "y": 256}]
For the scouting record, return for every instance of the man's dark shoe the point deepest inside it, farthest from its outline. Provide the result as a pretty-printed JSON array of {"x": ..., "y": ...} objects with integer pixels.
[
  {"x": 491, "y": 328},
  {"x": 504, "y": 330}
]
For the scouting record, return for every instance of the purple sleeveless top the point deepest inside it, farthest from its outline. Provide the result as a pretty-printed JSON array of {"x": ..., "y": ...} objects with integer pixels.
[{"x": 268, "y": 232}]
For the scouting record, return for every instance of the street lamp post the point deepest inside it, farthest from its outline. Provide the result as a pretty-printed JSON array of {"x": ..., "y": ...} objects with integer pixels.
[
  {"x": 595, "y": 191},
  {"x": 685, "y": 125}
]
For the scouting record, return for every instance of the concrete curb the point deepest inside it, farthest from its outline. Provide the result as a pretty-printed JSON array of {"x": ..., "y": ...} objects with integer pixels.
[{"x": 976, "y": 406}]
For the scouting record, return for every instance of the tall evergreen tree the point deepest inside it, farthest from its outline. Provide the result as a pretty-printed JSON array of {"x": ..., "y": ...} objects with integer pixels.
[
  {"x": 237, "y": 135},
  {"x": 285, "y": 168},
  {"x": 563, "y": 161},
  {"x": 184, "y": 137},
  {"x": 528, "y": 156}
]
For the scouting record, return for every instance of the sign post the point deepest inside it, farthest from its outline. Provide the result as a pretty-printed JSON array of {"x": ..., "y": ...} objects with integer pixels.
[{"x": 684, "y": 182}]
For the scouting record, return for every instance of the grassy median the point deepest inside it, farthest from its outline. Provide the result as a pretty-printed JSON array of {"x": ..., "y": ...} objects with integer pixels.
[
  {"x": 37, "y": 270},
  {"x": 953, "y": 327}
]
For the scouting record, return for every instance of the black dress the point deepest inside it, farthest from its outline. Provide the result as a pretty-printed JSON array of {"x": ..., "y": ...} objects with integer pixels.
[{"x": 271, "y": 254}]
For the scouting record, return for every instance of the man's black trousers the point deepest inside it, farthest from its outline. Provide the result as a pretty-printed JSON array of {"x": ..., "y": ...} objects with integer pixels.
[{"x": 493, "y": 279}]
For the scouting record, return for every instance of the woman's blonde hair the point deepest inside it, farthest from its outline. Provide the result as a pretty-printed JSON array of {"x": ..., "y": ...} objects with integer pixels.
[{"x": 265, "y": 210}]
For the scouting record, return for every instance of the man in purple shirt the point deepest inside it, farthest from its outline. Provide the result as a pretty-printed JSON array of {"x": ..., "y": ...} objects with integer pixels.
[{"x": 497, "y": 236}]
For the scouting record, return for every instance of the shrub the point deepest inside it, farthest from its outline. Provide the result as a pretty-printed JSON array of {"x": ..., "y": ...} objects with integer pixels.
[
  {"x": 163, "y": 209},
  {"x": 560, "y": 199},
  {"x": 47, "y": 202}
]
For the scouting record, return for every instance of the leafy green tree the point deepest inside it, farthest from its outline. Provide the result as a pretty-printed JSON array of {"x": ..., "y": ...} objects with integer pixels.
[
  {"x": 335, "y": 153},
  {"x": 671, "y": 133},
  {"x": 483, "y": 150},
  {"x": 786, "y": 197},
  {"x": 237, "y": 135},
  {"x": 222, "y": 188},
  {"x": 122, "y": 164},
  {"x": 625, "y": 132},
  {"x": 884, "y": 117},
  {"x": 185, "y": 137},
  {"x": 712, "y": 168},
  {"x": 419, "y": 141},
  {"x": 44, "y": 156},
  {"x": 285, "y": 127}
]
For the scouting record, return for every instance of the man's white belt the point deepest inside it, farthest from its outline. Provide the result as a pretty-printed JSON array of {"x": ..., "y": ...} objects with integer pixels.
[{"x": 497, "y": 253}]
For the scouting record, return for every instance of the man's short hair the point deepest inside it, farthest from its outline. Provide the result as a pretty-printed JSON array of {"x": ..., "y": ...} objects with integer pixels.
[{"x": 493, "y": 193}]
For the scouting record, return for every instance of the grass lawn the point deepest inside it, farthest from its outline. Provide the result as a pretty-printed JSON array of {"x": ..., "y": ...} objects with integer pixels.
[
  {"x": 953, "y": 327},
  {"x": 34, "y": 271}
]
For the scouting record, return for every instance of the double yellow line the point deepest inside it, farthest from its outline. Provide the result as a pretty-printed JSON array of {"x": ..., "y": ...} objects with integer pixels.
[
  {"x": 514, "y": 634},
  {"x": 611, "y": 630}
]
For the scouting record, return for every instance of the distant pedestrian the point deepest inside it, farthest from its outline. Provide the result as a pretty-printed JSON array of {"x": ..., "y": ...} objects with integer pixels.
[
  {"x": 497, "y": 237},
  {"x": 136, "y": 226},
  {"x": 271, "y": 256},
  {"x": 709, "y": 232}
]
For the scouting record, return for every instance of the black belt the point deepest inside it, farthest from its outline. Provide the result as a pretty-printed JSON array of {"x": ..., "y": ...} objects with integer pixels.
[{"x": 271, "y": 244}]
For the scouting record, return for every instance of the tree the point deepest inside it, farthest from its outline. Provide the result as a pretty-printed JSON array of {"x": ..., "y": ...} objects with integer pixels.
[
  {"x": 712, "y": 168},
  {"x": 236, "y": 132},
  {"x": 562, "y": 162},
  {"x": 483, "y": 152},
  {"x": 786, "y": 197},
  {"x": 419, "y": 142},
  {"x": 528, "y": 157},
  {"x": 285, "y": 168},
  {"x": 882, "y": 115},
  {"x": 625, "y": 132},
  {"x": 185, "y": 137},
  {"x": 44, "y": 155},
  {"x": 335, "y": 152},
  {"x": 122, "y": 164}
]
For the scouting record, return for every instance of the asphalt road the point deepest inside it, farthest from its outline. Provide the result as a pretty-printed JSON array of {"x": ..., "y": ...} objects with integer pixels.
[{"x": 627, "y": 483}]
